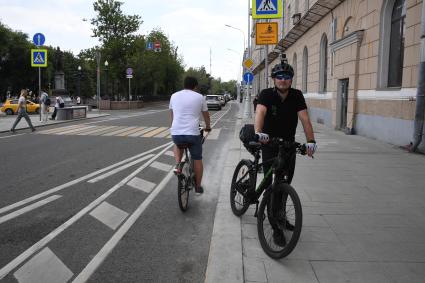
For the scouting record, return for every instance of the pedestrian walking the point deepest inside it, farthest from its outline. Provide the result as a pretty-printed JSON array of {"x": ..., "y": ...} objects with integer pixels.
[
  {"x": 22, "y": 111},
  {"x": 44, "y": 103}
]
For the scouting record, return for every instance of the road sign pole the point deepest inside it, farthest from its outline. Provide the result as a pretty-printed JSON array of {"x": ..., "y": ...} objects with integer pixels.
[
  {"x": 248, "y": 98},
  {"x": 129, "y": 90},
  {"x": 39, "y": 92}
]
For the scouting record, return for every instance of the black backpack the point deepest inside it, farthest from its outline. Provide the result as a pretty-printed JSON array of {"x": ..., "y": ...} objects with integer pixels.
[
  {"x": 246, "y": 135},
  {"x": 47, "y": 101}
]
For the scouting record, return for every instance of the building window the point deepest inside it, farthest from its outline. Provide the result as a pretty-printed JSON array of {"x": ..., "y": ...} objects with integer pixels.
[
  {"x": 305, "y": 70},
  {"x": 323, "y": 71},
  {"x": 294, "y": 66},
  {"x": 391, "y": 50},
  {"x": 395, "y": 65}
]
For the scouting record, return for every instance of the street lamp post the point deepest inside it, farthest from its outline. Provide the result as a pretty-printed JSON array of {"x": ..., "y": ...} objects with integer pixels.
[
  {"x": 240, "y": 62},
  {"x": 79, "y": 82},
  {"x": 243, "y": 33},
  {"x": 98, "y": 79},
  {"x": 106, "y": 78}
]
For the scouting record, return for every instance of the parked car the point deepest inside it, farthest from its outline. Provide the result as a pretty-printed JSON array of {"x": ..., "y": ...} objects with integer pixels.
[
  {"x": 213, "y": 102},
  {"x": 222, "y": 99},
  {"x": 10, "y": 107}
]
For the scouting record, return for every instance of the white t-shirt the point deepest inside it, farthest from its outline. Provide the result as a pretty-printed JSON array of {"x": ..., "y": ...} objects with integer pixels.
[
  {"x": 22, "y": 103},
  {"x": 187, "y": 107}
]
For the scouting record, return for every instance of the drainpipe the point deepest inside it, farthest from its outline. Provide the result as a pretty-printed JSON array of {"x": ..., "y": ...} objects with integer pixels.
[{"x": 420, "y": 93}]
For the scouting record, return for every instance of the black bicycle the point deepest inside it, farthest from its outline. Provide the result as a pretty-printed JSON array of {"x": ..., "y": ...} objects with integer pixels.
[
  {"x": 186, "y": 179},
  {"x": 279, "y": 215}
]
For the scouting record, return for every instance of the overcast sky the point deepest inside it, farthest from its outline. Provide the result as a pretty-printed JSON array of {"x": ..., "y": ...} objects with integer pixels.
[{"x": 194, "y": 26}]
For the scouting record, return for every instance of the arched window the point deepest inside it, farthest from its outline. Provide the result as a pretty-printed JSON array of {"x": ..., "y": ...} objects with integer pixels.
[
  {"x": 347, "y": 29},
  {"x": 392, "y": 32},
  {"x": 323, "y": 70},
  {"x": 294, "y": 65},
  {"x": 395, "y": 64},
  {"x": 305, "y": 70}
]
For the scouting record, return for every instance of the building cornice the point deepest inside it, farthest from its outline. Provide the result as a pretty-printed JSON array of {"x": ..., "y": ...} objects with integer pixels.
[{"x": 352, "y": 38}]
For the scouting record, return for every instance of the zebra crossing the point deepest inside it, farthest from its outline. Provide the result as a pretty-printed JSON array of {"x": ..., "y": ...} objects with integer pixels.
[{"x": 118, "y": 131}]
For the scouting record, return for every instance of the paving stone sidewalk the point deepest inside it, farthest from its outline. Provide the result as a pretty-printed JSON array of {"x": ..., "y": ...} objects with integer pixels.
[{"x": 363, "y": 217}]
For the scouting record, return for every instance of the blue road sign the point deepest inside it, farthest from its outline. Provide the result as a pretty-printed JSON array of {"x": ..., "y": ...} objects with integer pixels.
[
  {"x": 149, "y": 45},
  {"x": 129, "y": 71},
  {"x": 38, "y": 39},
  {"x": 248, "y": 77},
  {"x": 266, "y": 9},
  {"x": 38, "y": 57}
]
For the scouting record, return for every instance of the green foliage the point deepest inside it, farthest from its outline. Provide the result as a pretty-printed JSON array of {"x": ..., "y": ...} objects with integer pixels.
[{"x": 155, "y": 73}]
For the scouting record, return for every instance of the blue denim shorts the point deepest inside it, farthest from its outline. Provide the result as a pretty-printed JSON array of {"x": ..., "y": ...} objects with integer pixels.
[{"x": 195, "y": 145}]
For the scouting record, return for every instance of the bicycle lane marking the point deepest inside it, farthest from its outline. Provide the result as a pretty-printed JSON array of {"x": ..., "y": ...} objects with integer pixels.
[
  {"x": 76, "y": 181},
  {"x": 112, "y": 243},
  {"x": 100, "y": 257},
  {"x": 43, "y": 242}
]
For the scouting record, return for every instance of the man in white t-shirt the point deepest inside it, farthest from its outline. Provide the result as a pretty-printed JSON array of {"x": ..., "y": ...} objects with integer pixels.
[{"x": 186, "y": 107}]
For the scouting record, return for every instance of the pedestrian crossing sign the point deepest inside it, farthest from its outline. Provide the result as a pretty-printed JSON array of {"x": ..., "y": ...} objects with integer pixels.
[
  {"x": 38, "y": 57},
  {"x": 267, "y": 9}
]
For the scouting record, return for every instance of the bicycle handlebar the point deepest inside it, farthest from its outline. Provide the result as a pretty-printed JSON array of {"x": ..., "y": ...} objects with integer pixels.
[{"x": 298, "y": 147}]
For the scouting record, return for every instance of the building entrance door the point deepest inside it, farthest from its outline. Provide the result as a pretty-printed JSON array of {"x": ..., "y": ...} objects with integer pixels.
[{"x": 343, "y": 88}]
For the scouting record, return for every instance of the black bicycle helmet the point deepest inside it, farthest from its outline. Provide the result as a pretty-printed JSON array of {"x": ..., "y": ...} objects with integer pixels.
[{"x": 282, "y": 67}]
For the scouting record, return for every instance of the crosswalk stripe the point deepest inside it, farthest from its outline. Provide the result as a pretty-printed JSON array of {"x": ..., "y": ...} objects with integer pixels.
[
  {"x": 154, "y": 132},
  {"x": 117, "y": 131},
  {"x": 58, "y": 129},
  {"x": 73, "y": 131},
  {"x": 129, "y": 132},
  {"x": 89, "y": 130},
  {"x": 138, "y": 133},
  {"x": 102, "y": 131},
  {"x": 163, "y": 134}
]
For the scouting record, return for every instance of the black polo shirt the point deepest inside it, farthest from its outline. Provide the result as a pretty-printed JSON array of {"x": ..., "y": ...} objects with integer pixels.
[{"x": 282, "y": 117}]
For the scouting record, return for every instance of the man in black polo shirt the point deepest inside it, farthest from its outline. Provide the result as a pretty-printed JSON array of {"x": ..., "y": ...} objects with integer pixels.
[{"x": 277, "y": 114}]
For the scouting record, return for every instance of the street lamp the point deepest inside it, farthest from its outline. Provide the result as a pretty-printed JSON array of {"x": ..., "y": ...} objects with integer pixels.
[
  {"x": 243, "y": 33},
  {"x": 240, "y": 62},
  {"x": 106, "y": 78},
  {"x": 79, "y": 81}
]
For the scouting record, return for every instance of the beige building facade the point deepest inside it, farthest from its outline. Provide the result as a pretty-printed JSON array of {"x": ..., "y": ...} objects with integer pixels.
[{"x": 356, "y": 62}]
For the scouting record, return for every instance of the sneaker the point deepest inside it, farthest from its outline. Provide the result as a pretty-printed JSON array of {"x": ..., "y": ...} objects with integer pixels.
[
  {"x": 199, "y": 190},
  {"x": 279, "y": 238},
  {"x": 178, "y": 169}
]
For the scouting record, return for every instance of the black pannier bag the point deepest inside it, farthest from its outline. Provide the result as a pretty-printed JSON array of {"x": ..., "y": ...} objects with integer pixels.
[{"x": 246, "y": 135}]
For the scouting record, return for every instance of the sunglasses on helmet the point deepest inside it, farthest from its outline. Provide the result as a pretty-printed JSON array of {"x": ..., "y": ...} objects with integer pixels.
[{"x": 283, "y": 76}]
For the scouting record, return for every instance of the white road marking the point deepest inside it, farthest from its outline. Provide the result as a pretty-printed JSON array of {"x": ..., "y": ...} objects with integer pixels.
[
  {"x": 138, "y": 134},
  {"x": 163, "y": 134},
  {"x": 71, "y": 183},
  {"x": 28, "y": 208},
  {"x": 213, "y": 135},
  {"x": 116, "y": 170},
  {"x": 14, "y": 135},
  {"x": 73, "y": 131},
  {"x": 109, "y": 215},
  {"x": 141, "y": 185},
  {"x": 45, "y": 267},
  {"x": 110, "y": 245},
  {"x": 161, "y": 166},
  {"x": 40, "y": 244},
  {"x": 118, "y": 131},
  {"x": 169, "y": 153}
]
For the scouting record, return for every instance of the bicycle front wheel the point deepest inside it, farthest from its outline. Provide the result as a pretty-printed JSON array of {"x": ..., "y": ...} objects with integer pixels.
[
  {"x": 279, "y": 221},
  {"x": 242, "y": 184}
]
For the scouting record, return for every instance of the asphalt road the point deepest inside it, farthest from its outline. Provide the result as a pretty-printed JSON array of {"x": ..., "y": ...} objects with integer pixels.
[{"x": 94, "y": 201}]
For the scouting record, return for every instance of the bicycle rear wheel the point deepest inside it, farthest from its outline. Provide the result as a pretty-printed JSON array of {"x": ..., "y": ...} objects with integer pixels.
[
  {"x": 279, "y": 221},
  {"x": 242, "y": 183},
  {"x": 183, "y": 189}
]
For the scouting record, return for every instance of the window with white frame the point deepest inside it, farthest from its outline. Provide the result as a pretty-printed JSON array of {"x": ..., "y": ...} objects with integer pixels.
[{"x": 391, "y": 49}]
